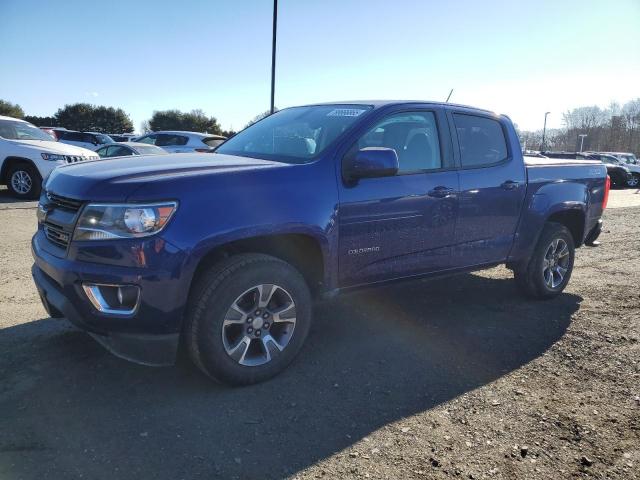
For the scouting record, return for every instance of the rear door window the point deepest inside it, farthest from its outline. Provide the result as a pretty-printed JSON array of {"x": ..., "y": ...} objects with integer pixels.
[
  {"x": 167, "y": 139},
  {"x": 481, "y": 140}
]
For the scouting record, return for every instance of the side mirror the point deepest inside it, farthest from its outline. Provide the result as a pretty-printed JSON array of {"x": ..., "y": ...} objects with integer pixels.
[{"x": 372, "y": 162}]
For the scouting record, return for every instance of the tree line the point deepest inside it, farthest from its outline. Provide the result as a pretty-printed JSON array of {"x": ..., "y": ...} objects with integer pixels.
[
  {"x": 615, "y": 128},
  {"x": 96, "y": 118}
]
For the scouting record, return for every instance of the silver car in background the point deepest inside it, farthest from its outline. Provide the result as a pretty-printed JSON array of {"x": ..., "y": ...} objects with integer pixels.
[
  {"x": 125, "y": 149},
  {"x": 177, "y": 141}
]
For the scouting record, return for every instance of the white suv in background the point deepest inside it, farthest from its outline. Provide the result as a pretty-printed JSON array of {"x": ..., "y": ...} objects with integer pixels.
[
  {"x": 27, "y": 155},
  {"x": 177, "y": 142}
]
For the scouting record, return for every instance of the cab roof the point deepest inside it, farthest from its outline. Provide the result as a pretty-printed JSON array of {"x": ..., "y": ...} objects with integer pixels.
[{"x": 384, "y": 103}]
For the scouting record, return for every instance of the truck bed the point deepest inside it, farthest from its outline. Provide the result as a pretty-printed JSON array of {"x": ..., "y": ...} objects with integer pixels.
[
  {"x": 541, "y": 162},
  {"x": 548, "y": 170}
]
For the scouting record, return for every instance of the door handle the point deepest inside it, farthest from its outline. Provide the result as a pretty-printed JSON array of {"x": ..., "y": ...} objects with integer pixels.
[
  {"x": 440, "y": 192},
  {"x": 510, "y": 185}
]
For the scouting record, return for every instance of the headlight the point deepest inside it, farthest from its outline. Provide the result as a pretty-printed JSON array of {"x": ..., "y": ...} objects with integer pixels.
[
  {"x": 109, "y": 221},
  {"x": 53, "y": 157}
]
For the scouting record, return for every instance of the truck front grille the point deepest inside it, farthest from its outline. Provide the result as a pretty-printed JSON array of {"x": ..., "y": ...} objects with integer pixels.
[
  {"x": 64, "y": 202},
  {"x": 79, "y": 158},
  {"x": 57, "y": 235}
]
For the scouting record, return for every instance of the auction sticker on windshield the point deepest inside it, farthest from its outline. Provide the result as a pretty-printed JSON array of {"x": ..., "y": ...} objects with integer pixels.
[{"x": 345, "y": 112}]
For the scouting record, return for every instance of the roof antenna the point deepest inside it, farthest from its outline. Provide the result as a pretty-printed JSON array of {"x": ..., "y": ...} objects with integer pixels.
[{"x": 447, "y": 100}]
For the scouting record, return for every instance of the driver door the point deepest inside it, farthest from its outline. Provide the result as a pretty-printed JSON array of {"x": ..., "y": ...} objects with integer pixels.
[{"x": 402, "y": 225}]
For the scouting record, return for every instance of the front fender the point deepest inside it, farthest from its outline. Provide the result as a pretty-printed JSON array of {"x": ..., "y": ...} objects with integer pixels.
[{"x": 209, "y": 244}]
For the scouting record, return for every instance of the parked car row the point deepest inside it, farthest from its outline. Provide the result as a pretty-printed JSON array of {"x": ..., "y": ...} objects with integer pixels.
[
  {"x": 623, "y": 173},
  {"x": 29, "y": 153},
  {"x": 171, "y": 141}
]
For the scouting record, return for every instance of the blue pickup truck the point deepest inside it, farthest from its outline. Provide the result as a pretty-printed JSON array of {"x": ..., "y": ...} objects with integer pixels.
[{"x": 223, "y": 253}]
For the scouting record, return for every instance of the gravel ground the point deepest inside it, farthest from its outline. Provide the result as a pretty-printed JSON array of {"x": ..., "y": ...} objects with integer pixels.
[{"x": 460, "y": 377}]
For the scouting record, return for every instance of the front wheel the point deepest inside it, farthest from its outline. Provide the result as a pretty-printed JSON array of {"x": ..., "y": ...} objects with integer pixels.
[
  {"x": 549, "y": 269},
  {"x": 249, "y": 317},
  {"x": 634, "y": 181},
  {"x": 24, "y": 181}
]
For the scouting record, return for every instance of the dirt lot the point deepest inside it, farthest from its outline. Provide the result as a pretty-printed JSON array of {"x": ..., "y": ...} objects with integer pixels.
[{"x": 459, "y": 377}]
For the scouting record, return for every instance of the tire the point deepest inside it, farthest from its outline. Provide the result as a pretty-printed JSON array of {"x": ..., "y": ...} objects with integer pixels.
[
  {"x": 24, "y": 181},
  {"x": 231, "y": 345},
  {"x": 634, "y": 181},
  {"x": 538, "y": 281}
]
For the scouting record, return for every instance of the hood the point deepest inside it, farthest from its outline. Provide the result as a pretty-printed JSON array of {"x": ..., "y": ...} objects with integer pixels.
[
  {"x": 115, "y": 179},
  {"x": 46, "y": 146}
]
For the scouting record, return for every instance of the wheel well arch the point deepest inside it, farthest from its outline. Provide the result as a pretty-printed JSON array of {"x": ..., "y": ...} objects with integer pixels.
[
  {"x": 574, "y": 220},
  {"x": 302, "y": 251},
  {"x": 9, "y": 162}
]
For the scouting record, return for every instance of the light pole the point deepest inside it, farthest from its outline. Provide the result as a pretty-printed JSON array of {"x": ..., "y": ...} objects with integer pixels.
[
  {"x": 544, "y": 130},
  {"x": 582, "y": 135},
  {"x": 273, "y": 55}
]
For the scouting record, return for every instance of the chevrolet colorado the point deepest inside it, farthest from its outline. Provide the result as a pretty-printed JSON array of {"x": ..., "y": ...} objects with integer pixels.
[{"x": 223, "y": 253}]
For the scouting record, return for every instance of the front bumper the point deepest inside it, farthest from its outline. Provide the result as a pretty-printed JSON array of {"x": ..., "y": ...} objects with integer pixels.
[{"x": 149, "y": 336}]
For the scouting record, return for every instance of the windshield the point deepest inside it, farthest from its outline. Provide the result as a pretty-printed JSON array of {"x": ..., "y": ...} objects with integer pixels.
[
  {"x": 295, "y": 135},
  {"x": 12, "y": 130}
]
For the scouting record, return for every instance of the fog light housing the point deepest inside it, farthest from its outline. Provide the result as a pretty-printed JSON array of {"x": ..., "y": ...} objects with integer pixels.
[{"x": 113, "y": 299}]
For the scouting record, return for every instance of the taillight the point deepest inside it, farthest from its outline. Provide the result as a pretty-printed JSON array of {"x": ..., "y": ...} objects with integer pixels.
[{"x": 607, "y": 187}]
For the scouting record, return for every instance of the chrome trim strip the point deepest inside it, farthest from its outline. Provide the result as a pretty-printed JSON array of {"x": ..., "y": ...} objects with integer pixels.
[{"x": 92, "y": 290}]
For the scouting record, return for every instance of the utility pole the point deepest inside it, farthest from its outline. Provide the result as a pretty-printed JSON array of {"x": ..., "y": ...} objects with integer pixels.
[
  {"x": 544, "y": 131},
  {"x": 582, "y": 135},
  {"x": 273, "y": 55}
]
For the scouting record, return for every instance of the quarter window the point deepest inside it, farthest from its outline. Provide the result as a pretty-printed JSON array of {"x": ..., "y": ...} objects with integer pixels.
[
  {"x": 481, "y": 140},
  {"x": 414, "y": 137}
]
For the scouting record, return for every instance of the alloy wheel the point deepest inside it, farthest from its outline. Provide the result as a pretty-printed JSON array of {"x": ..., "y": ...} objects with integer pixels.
[
  {"x": 556, "y": 263},
  {"x": 259, "y": 325},
  {"x": 21, "y": 182}
]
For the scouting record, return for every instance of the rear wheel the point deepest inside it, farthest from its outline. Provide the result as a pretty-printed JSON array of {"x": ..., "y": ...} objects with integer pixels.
[
  {"x": 634, "y": 181},
  {"x": 24, "y": 181},
  {"x": 250, "y": 316},
  {"x": 549, "y": 269}
]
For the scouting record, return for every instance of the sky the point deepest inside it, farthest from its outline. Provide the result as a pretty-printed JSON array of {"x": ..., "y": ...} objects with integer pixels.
[{"x": 513, "y": 57}]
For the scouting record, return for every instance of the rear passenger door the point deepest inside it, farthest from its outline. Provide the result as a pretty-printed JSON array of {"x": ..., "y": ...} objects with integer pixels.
[
  {"x": 492, "y": 187},
  {"x": 402, "y": 225}
]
